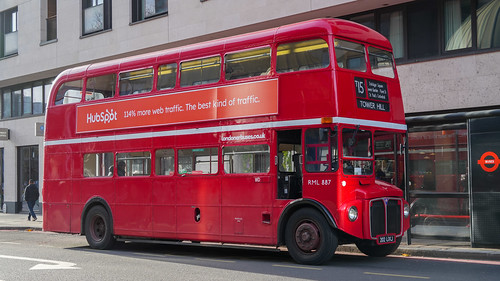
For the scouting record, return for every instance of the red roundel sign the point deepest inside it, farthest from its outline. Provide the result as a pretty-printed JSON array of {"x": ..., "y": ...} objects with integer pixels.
[{"x": 489, "y": 161}]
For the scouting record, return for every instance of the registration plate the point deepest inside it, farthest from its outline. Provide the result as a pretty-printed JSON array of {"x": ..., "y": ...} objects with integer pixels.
[{"x": 386, "y": 239}]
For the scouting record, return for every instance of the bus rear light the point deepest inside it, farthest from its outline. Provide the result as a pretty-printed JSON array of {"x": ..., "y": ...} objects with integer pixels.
[{"x": 326, "y": 120}]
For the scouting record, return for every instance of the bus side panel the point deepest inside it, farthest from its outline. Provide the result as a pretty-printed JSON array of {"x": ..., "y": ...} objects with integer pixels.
[
  {"x": 308, "y": 94},
  {"x": 164, "y": 212},
  {"x": 198, "y": 207},
  {"x": 58, "y": 210},
  {"x": 57, "y": 190},
  {"x": 76, "y": 217},
  {"x": 60, "y": 122},
  {"x": 246, "y": 209},
  {"x": 132, "y": 208}
]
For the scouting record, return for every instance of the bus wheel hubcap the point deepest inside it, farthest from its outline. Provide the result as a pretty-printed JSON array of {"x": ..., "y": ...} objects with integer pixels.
[
  {"x": 307, "y": 237},
  {"x": 98, "y": 228}
]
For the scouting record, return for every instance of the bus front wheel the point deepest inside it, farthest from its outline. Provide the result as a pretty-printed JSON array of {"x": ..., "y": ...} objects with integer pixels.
[
  {"x": 309, "y": 238},
  {"x": 98, "y": 229}
]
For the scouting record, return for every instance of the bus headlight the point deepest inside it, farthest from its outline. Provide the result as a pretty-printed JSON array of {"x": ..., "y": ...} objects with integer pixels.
[
  {"x": 353, "y": 213},
  {"x": 406, "y": 210}
]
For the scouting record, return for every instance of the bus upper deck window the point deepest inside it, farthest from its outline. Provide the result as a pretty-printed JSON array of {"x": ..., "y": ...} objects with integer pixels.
[
  {"x": 136, "y": 82},
  {"x": 302, "y": 55},
  {"x": 200, "y": 71},
  {"x": 249, "y": 63},
  {"x": 69, "y": 92},
  {"x": 100, "y": 87},
  {"x": 350, "y": 55},
  {"x": 167, "y": 75},
  {"x": 381, "y": 62}
]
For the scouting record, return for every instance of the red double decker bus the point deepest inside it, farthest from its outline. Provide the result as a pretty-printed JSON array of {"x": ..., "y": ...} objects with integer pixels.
[{"x": 265, "y": 138}]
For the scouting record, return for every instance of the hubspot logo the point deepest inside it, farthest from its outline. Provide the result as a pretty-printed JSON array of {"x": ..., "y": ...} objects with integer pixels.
[{"x": 487, "y": 160}]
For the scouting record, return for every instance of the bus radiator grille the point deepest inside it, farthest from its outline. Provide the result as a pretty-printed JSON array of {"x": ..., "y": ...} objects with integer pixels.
[{"x": 385, "y": 219}]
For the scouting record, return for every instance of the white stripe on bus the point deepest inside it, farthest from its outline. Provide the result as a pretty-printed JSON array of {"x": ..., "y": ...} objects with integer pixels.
[{"x": 231, "y": 128}]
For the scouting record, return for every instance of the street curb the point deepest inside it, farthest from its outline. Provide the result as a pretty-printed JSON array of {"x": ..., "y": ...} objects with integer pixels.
[
  {"x": 21, "y": 228},
  {"x": 444, "y": 253}
]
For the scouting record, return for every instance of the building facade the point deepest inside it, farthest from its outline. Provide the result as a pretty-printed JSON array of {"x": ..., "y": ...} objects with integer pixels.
[{"x": 447, "y": 51}]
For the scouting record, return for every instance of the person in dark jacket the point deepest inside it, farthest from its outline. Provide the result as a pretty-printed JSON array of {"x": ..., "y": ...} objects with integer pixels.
[{"x": 31, "y": 195}]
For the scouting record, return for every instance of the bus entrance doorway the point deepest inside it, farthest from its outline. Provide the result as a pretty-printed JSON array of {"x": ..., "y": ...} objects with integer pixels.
[{"x": 289, "y": 164}]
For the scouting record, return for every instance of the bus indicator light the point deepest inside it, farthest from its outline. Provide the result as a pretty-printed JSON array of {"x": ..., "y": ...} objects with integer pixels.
[{"x": 326, "y": 120}]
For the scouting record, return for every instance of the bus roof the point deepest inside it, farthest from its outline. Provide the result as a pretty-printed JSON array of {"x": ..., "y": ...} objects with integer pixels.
[{"x": 302, "y": 30}]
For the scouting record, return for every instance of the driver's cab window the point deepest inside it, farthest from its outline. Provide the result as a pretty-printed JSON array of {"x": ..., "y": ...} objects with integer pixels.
[
  {"x": 321, "y": 150},
  {"x": 357, "y": 152}
]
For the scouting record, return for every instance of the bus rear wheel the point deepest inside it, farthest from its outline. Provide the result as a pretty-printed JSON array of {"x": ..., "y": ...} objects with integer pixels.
[
  {"x": 309, "y": 238},
  {"x": 370, "y": 248},
  {"x": 98, "y": 229}
]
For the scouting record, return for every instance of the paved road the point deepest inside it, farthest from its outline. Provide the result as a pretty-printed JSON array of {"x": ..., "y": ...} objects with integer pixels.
[{"x": 50, "y": 256}]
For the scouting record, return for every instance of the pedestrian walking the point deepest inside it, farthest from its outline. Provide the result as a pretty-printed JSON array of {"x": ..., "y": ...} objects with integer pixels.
[{"x": 31, "y": 195}]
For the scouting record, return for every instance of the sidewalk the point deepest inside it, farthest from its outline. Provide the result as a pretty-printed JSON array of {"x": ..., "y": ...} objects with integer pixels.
[{"x": 420, "y": 247}]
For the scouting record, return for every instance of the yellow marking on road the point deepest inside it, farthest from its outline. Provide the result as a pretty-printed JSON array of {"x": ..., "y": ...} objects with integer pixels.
[
  {"x": 397, "y": 275},
  {"x": 10, "y": 243},
  {"x": 227, "y": 261},
  {"x": 298, "y": 267}
]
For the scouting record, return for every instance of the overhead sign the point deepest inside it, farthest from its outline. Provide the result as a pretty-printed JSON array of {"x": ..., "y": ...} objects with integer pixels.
[
  {"x": 371, "y": 94},
  {"x": 235, "y": 101}
]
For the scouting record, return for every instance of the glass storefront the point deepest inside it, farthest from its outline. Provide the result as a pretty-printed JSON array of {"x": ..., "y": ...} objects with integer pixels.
[{"x": 438, "y": 187}]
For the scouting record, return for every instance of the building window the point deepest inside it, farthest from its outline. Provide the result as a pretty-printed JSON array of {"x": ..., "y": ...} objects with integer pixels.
[
  {"x": 144, "y": 9},
  {"x": 432, "y": 29},
  {"x": 422, "y": 32},
  {"x": 25, "y": 99},
  {"x": 96, "y": 16},
  {"x": 488, "y": 24},
  {"x": 6, "y": 104},
  {"x": 38, "y": 105},
  {"x": 8, "y": 32},
  {"x": 391, "y": 26},
  {"x": 49, "y": 14},
  {"x": 17, "y": 103}
]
